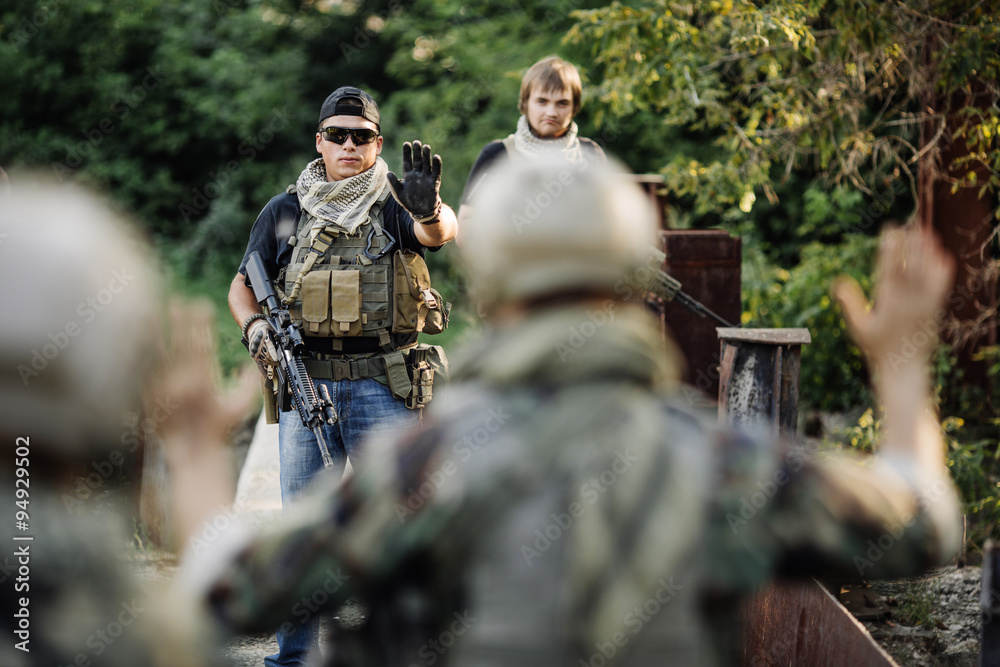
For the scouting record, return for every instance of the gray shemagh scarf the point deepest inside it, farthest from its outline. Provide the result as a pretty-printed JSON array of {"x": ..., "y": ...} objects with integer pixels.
[
  {"x": 568, "y": 145},
  {"x": 345, "y": 203}
]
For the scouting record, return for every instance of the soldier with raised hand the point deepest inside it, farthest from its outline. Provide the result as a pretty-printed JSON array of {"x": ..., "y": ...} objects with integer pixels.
[
  {"x": 561, "y": 503},
  {"x": 347, "y": 241},
  {"x": 80, "y": 341}
]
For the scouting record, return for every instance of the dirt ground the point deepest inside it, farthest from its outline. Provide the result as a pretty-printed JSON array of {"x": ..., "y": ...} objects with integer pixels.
[
  {"x": 932, "y": 621},
  {"x": 157, "y": 568},
  {"x": 250, "y": 650}
]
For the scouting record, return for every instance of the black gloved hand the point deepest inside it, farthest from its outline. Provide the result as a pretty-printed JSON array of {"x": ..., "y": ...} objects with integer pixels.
[{"x": 418, "y": 191}]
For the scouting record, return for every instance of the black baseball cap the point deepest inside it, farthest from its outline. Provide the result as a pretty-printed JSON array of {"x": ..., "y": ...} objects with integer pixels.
[{"x": 350, "y": 101}]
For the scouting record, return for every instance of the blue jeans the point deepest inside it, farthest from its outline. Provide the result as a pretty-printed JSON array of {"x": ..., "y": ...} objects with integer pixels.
[{"x": 364, "y": 408}]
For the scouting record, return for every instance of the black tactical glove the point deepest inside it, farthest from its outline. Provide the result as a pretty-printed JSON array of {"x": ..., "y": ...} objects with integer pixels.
[{"x": 418, "y": 191}]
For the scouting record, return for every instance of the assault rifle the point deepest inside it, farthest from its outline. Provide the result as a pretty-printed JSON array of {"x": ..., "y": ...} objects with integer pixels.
[
  {"x": 314, "y": 408},
  {"x": 664, "y": 285}
]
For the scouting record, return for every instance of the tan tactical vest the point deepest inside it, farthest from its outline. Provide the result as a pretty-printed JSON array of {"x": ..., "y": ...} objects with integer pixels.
[{"x": 340, "y": 285}]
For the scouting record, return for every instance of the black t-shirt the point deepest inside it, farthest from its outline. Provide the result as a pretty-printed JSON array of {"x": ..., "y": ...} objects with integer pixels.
[
  {"x": 279, "y": 220},
  {"x": 495, "y": 150}
]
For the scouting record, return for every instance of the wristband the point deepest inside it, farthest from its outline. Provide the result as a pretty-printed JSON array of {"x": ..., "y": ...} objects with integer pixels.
[
  {"x": 250, "y": 320},
  {"x": 429, "y": 218}
]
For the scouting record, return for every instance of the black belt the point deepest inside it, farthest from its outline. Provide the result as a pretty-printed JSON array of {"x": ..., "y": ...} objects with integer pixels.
[
  {"x": 359, "y": 345},
  {"x": 345, "y": 369},
  {"x": 391, "y": 365}
]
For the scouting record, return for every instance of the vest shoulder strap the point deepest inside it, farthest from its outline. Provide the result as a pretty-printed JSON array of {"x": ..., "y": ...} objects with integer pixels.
[{"x": 511, "y": 147}]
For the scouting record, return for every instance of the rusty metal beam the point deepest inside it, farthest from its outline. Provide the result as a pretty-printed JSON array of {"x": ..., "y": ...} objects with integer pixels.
[
  {"x": 707, "y": 263},
  {"x": 800, "y": 624}
]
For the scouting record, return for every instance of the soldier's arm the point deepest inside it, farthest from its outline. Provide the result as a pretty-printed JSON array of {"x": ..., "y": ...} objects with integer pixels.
[
  {"x": 198, "y": 419},
  {"x": 440, "y": 232},
  {"x": 897, "y": 513},
  {"x": 898, "y": 334},
  {"x": 242, "y": 302},
  {"x": 343, "y": 539}
]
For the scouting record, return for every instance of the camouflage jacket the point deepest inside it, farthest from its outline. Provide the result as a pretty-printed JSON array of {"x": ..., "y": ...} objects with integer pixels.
[
  {"x": 562, "y": 504},
  {"x": 71, "y": 591}
]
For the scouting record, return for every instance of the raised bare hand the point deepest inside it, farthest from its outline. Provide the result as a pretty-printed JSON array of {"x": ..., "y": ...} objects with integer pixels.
[{"x": 913, "y": 278}]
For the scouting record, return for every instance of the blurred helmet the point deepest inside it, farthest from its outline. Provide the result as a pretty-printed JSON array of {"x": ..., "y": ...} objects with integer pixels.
[
  {"x": 547, "y": 226},
  {"x": 79, "y": 292}
]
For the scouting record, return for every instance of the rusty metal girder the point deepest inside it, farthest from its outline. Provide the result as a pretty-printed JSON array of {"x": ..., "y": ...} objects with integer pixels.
[
  {"x": 799, "y": 624},
  {"x": 707, "y": 264}
]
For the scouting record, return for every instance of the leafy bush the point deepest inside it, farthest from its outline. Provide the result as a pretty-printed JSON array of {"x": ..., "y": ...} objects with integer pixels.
[
  {"x": 833, "y": 375},
  {"x": 973, "y": 449}
]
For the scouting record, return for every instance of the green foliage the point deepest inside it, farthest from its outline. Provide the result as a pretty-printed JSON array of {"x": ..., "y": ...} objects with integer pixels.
[
  {"x": 971, "y": 430},
  {"x": 825, "y": 213},
  {"x": 192, "y": 115},
  {"x": 972, "y": 448},
  {"x": 865, "y": 434},
  {"x": 832, "y": 376},
  {"x": 917, "y": 603},
  {"x": 458, "y": 68},
  {"x": 973, "y": 466},
  {"x": 832, "y": 86}
]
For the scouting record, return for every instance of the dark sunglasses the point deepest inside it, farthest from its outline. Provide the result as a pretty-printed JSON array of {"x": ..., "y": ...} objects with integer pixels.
[{"x": 338, "y": 135}]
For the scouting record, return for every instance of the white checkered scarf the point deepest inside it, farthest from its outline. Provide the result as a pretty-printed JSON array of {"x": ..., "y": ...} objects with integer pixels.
[
  {"x": 568, "y": 145},
  {"x": 342, "y": 203}
]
